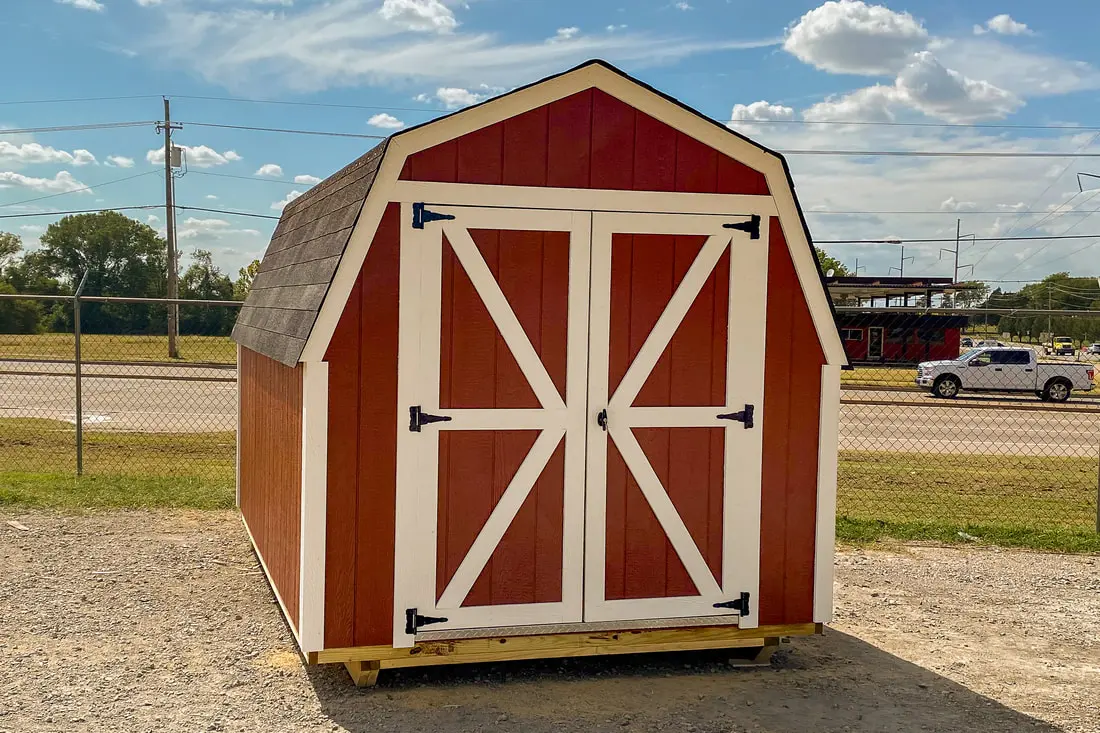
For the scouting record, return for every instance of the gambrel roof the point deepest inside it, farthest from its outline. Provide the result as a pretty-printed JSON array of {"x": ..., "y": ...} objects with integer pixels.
[{"x": 309, "y": 267}]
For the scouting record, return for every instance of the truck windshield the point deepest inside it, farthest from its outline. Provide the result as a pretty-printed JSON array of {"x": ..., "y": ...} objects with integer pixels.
[{"x": 967, "y": 355}]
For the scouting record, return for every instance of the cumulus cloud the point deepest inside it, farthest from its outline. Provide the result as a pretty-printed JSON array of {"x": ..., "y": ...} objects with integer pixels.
[
  {"x": 307, "y": 180},
  {"x": 953, "y": 204},
  {"x": 1004, "y": 25},
  {"x": 926, "y": 86},
  {"x": 199, "y": 156},
  {"x": 455, "y": 97},
  {"x": 564, "y": 34},
  {"x": 119, "y": 161},
  {"x": 148, "y": 3},
  {"x": 761, "y": 111},
  {"x": 852, "y": 37},
  {"x": 92, "y": 5},
  {"x": 280, "y": 205},
  {"x": 385, "y": 122},
  {"x": 682, "y": 5},
  {"x": 32, "y": 153},
  {"x": 193, "y": 228},
  {"x": 270, "y": 169},
  {"x": 62, "y": 182},
  {"x": 419, "y": 15},
  {"x": 211, "y": 197}
]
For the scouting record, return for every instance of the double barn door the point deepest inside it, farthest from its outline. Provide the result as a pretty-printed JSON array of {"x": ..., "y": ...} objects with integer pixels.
[{"x": 583, "y": 394}]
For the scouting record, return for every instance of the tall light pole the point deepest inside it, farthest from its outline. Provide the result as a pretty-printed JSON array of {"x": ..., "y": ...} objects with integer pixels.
[{"x": 170, "y": 223}]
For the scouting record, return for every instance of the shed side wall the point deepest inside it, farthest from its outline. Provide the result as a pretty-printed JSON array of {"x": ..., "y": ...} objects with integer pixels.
[
  {"x": 271, "y": 468},
  {"x": 792, "y": 404}
]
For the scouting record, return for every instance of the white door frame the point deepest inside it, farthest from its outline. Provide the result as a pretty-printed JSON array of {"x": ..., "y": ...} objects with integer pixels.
[
  {"x": 743, "y": 447},
  {"x": 419, "y": 384}
]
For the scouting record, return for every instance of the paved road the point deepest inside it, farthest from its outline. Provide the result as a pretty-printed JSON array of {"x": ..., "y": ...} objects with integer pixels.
[{"x": 197, "y": 399}]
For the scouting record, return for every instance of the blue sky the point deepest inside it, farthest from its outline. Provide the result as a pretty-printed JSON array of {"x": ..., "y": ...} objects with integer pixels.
[{"x": 769, "y": 67}]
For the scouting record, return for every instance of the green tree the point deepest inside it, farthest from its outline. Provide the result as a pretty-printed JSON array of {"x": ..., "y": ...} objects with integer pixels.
[
  {"x": 828, "y": 262},
  {"x": 121, "y": 256},
  {"x": 976, "y": 293},
  {"x": 245, "y": 276},
  {"x": 10, "y": 247},
  {"x": 204, "y": 281}
]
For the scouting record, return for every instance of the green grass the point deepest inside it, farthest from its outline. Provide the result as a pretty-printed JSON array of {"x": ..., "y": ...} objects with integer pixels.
[
  {"x": 122, "y": 470},
  {"x": 869, "y": 531},
  {"x": 106, "y": 347}
]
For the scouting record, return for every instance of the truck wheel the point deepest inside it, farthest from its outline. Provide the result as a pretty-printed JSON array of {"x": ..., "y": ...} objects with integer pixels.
[
  {"x": 1057, "y": 390},
  {"x": 946, "y": 387},
  {"x": 1039, "y": 394}
]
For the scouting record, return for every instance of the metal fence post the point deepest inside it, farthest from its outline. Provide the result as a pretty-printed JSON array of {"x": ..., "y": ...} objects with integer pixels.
[
  {"x": 1098, "y": 493},
  {"x": 76, "y": 371}
]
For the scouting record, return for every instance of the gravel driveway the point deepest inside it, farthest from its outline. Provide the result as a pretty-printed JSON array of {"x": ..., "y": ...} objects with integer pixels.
[{"x": 162, "y": 622}]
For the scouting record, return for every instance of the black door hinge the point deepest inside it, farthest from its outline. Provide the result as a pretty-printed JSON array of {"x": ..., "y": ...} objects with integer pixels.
[
  {"x": 744, "y": 416},
  {"x": 752, "y": 226},
  {"x": 741, "y": 604},
  {"x": 418, "y": 419},
  {"x": 422, "y": 216},
  {"x": 414, "y": 621}
]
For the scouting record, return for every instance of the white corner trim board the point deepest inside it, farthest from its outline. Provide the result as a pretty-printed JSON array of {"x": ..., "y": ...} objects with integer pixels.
[
  {"x": 825, "y": 540},
  {"x": 311, "y": 582},
  {"x": 387, "y": 188}
]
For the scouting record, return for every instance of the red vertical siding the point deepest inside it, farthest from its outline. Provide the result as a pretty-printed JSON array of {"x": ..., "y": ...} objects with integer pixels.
[
  {"x": 271, "y": 468},
  {"x": 792, "y": 403}
]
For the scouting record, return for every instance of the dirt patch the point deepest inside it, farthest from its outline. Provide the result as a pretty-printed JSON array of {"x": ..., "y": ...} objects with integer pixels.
[{"x": 144, "y": 621}]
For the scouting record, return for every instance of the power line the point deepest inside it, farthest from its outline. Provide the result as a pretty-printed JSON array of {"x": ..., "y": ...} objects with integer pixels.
[
  {"x": 942, "y": 153},
  {"x": 1065, "y": 233},
  {"x": 244, "y": 178},
  {"x": 72, "y": 128},
  {"x": 79, "y": 99},
  {"x": 78, "y": 190},
  {"x": 906, "y": 240},
  {"x": 963, "y": 125},
  {"x": 79, "y": 211},
  {"x": 311, "y": 104},
  {"x": 225, "y": 211},
  {"x": 293, "y": 132},
  {"x": 944, "y": 213}
]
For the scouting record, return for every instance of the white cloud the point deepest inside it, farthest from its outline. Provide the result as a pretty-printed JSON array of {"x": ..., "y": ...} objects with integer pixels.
[
  {"x": 211, "y": 197},
  {"x": 92, "y": 5},
  {"x": 270, "y": 169},
  {"x": 320, "y": 45},
  {"x": 454, "y": 97},
  {"x": 419, "y": 15},
  {"x": 33, "y": 229},
  {"x": 1004, "y": 25},
  {"x": 199, "y": 156},
  {"x": 386, "y": 122},
  {"x": 926, "y": 86},
  {"x": 194, "y": 228},
  {"x": 564, "y": 34},
  {"x": 953, "y": 204},
  {"x": 613, "y": 28},
  {"x": 762, "y": 110},
  {"x": 280, "y": 205},
  {"x": 681, "y": 5},
  {"x": 152, "y": 220},
  {"x": 1024, "y": 73},
  {"x": 852, "y": 37},
  {"x": 34, "y": 153},
  {"x": 148, "y": 3},
  {"x": 307, "y": 180},
  {"x": 62, "y": 182},
  {"x": 119, "y": 161}
]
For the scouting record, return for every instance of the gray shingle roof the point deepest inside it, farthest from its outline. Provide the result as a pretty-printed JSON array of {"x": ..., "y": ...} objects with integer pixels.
[{"x": 301, "y": 260}]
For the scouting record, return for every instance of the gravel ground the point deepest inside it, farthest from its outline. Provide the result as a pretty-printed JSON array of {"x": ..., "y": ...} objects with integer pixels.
[{"x": 162, "y": 622}]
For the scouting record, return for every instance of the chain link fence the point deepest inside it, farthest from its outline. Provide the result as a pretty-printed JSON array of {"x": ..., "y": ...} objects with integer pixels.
[
  {"x": 955, "y": 418},
  {"x": 999, "y": 449},
  {"x": 92, "y": 387}
]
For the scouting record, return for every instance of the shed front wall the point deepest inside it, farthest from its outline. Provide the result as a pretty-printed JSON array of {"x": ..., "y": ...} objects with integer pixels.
[
  {"x": 587, "y": 140},
  {"x": 270, "y": 487}
]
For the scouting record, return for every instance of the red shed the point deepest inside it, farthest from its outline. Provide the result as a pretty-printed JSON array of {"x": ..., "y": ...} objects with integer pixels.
[{"x": 553, "y": 375}]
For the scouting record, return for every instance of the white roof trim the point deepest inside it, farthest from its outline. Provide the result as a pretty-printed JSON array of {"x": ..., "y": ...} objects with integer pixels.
[{"x": 402, "y": 145}]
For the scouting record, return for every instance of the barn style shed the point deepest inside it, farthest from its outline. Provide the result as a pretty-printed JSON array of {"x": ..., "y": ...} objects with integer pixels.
[{"x": 553, "y": 375}]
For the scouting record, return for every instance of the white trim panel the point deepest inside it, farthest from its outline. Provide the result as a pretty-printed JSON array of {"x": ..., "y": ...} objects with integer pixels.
[
  {"x": 827, "y": 446},
  {"x": 582, "y": 199},
  {"x": 311, "y": 579}
]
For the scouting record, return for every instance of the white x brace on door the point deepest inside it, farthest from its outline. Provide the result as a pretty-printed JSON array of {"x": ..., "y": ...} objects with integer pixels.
[
  {"x": 559, "y": 417},
  {"x": 614, "y": 418}
]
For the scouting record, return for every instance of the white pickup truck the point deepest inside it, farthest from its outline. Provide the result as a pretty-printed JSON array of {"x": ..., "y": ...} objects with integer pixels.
[{"x": 1004, "y": 369}]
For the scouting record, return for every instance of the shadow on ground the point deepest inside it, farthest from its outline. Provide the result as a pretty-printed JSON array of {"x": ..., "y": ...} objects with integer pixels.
[{"x": 832, "y": 683}]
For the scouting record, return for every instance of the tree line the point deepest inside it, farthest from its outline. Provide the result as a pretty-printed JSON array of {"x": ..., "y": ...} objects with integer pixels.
[{"x": 122, "y": 257}]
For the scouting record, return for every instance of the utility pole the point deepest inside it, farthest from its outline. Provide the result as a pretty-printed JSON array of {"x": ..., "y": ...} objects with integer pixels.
[
  {"x": 958, "y": 242},
  {"x": 901, "y": 267},
  {"x": 855, "y": 272},
  {"x": 170, "y": 223}
]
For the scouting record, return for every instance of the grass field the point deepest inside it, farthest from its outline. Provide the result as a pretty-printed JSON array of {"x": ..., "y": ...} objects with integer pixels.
[
  {"x": 106, "y": 347},
  {"x": 121, "y": 470},
  {"x": 1028, "y": 501}
]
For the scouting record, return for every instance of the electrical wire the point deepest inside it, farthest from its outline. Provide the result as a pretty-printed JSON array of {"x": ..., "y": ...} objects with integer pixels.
[
  {"x": 80, "y": 211},
  {"x": 78, "y": 190},
  {"x": 74, "y": 128},
  {"x": 903, "y": 240},
  {"x": 963, "y": 125},
  {"x": 294, "y": 132},
  {"x": 310, "y": 104},
  {"x": 244, "y": 178},
  {"x": 225, "y": 211},
  {"x": 78, "y": 99},
  {"x": 943, "y": 153}
]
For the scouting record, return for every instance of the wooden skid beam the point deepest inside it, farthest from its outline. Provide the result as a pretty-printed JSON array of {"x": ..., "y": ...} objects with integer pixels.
[
  {"x": 548, "y": 646},
  {"x": 363, "y": 674}
]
